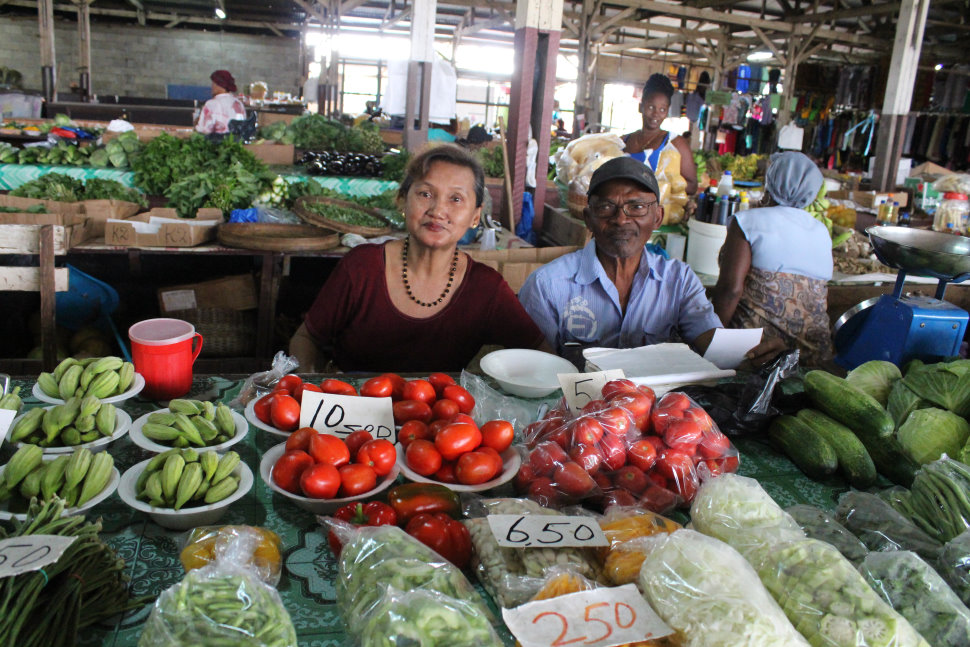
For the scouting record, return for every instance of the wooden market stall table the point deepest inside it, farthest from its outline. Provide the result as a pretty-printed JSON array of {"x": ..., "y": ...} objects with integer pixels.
[{"x": 309, "y": 570}]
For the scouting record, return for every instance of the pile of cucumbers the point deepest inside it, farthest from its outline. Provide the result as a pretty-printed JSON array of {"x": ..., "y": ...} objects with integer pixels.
[
  {"x": 190, "y": 423},
  {"x": 76, "y": 478},
  {"x": 77, "y": 421},
  {"x": 184, "y": 477},
  {"x": 102, "y": 377}
]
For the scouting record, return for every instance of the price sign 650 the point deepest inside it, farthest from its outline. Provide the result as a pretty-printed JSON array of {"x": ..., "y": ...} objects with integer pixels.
[{"x": 545, "y": 531}]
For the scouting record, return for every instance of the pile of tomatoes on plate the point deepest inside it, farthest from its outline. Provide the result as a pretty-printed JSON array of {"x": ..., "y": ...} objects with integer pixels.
[
  {"x": 322, "y": 466},
  {"x": 458, "y": 450},
  {"x": 627, "y": 449}
]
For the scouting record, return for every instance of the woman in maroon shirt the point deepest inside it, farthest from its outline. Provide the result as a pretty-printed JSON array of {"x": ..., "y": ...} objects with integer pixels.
[{"x": 417, "y": 304}]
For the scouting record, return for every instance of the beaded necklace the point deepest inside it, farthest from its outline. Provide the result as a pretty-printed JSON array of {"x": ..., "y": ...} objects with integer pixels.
[{"x": 407, "y": 285}]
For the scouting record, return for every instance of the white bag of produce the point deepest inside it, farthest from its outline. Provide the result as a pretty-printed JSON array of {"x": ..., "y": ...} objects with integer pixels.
[
  {"x": 920, "y": 595},
  {"x": 954, "y": 565},
  {"x": 709, "y": 594},
  {"x": 883, "y": 528},
  {"x": 819, "y": 524}
]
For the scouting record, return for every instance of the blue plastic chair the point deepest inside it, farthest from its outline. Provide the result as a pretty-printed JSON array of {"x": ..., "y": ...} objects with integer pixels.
[{"x": 88, "y": 301}]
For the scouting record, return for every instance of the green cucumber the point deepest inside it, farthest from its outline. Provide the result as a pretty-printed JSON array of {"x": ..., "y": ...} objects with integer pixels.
[
  {"x": 855, "y": 409},
  {"x": 891, "y": 461},
  {"x": 807, "y": 448},
  {"x": 854, "y": 459}
]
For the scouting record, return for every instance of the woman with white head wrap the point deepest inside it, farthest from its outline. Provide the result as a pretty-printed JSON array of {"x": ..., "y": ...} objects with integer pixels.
[{"x": 776, "y": 262}]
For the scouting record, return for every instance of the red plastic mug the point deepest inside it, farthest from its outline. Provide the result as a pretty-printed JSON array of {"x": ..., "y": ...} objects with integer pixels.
[{"x": 162, "y": 351}]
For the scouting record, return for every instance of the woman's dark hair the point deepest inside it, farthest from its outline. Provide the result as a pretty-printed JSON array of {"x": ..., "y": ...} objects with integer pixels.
[
  {"x": 420, "y": 164},
  {"x": 658, "y": 84}
]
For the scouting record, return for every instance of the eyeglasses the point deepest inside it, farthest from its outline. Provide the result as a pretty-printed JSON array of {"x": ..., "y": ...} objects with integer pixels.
[{"x": 606, "y": 210}]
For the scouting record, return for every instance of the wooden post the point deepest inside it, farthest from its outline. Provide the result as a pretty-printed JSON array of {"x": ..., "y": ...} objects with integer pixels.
[
  {"x": 48, "y": 73},
  {"x": 84, "y": 47},
  {"x": 48, "y": 336},
  {"x": 417, "y": 105},
  {"x": 899, "y": 91}
]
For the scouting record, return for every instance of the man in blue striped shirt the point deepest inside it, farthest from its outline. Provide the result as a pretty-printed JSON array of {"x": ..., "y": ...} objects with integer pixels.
[{"x": 614, "y": 292}]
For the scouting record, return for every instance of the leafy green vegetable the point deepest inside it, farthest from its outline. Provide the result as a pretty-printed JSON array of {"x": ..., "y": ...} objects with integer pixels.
[
  {"x": 37, "y": 208},
  {"x": 939, "y": 500},
  {"x": 491, "y": 158},
  {"x": 902, "y": 402},
  {"x": 52, "y": 186},
  {"x": 875, "y": 378},
  {"x": 344, "y": 215},
  {"x": 946, "y": 384},
  {"x": 99, "y": 189},
  {"x": 394, "y": 165},
  {"x": 929, "y": 433}
]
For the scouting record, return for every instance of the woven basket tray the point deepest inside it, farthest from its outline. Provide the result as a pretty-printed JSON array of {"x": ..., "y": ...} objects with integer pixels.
[
  {"x": 225, "y": 332},
  {"x": 277, "y": 238},
  {"x": 312, "y": 218}
]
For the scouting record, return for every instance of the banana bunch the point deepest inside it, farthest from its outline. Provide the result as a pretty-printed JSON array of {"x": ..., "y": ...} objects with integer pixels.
[
  {"x": 12, "y": 400},
  {"x": 76, "y": 478},
  {"x": 190, "y": 422},
  {"x": 182, "y": 477},
  {"x": 79, "y": 420},
  {"x": 101, "y": 377},
  {"x": 819, "y": 206}
]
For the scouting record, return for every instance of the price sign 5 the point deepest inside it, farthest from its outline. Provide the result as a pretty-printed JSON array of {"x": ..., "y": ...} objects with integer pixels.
[
  {"x": 545, "y": 531},
  {"x": 6, "y": 417},
  {"x": 342, "y": 415},
  {"x": 31, "y": 553},
  {"x": 582, "y": 388},
  {"x": 602, "y": 617}
]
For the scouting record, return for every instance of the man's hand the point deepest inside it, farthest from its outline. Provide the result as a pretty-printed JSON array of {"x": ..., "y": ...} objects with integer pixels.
[{"x": 765, "y": 351}]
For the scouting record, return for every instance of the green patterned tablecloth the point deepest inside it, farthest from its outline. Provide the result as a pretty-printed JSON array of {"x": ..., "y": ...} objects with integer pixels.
[{"x": 307, "y": 586}]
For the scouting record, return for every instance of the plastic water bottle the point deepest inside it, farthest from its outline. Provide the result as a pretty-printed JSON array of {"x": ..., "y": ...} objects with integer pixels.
[
  {"x": 744, "y": 205},
  {"x": 726, "y": 185}
]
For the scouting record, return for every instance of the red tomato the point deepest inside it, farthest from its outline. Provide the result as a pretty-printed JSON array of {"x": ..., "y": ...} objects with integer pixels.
[
  {"x": 405, "y": 410},
  {"x": 329, "y": 449},
  {"x": 631, "y": 478},
  {"x": 397, "y": 385},
  {"x": 657, "y": 442},
  {"x": 337, "y": 387},
  {"x": 413, "y": 430},
  {"x": 637, "y": 404},
  {"x": 289, "y": 382},
  {"x": 586, "y": 431},
  {"x": 377, "y": 387},
  {"x": 658, "y": 479},
  {"x": 538, "y": 431},
  {"x": 709, "y": 467},
  {"x": 619, "y": 497},
  {"x": 420, "y": 390},
  {"x": 498, "y": 434},
  {"x": 714, "y": 444},
  {"x": 300, "y": 439},
  {"x": 615, "y": 421},
  {"x": 357, "y": 479},
  {"x": 677, "y": 467},
  {"x": 662, "y": 417},
  {"x": 456, "y": 439},
  {"x": 603, "y": 481},
  {"x": 561, "y": 436},
  {"x": 642, "y": 454},
  {"x": 524, "y": 477},
  {"x": 588, "y": 456},
  {"x": 379, "y": 454},
  {"x": 595, "y": 406},
  {"x": 422, "y": 457},
  {"x": 444, "y": 410},
  {"x": 675, "y": 400},
  {"x": 355, "y": 440},
  {"x": 729, "y": 464},
  {"x": 573, "y": 480},
  {"x": 658, "y": 499},
  {"x": 306, "y": 386},
  {"x": 698, "y": 415},
  {"x": 474, "y": 468},
  {"x": 683, "y": 434},
  {"x": 464, "y": 399},
  {"x": 464, "y": 418},
  {"x": 447, "y": 473},
  {"x": 544, "y": 492},
  {"x": 546, "y": 457},
  {"x": 496, "y": 457},
  {"x": 614, "y": 452},
  {"x": 321, "y": 481},
  {"x": 435, "y": 428},
  {"x": 439, "y": 381},
  {"x": 262, "y": 408},
  {"x": 288, "y": 469},
  {"x": 284, "y": 412},
  {"x": 617, "y": 386}
]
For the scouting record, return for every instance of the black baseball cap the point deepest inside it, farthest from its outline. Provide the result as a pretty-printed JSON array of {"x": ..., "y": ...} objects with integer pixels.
[{"x": 624, "y": 168}]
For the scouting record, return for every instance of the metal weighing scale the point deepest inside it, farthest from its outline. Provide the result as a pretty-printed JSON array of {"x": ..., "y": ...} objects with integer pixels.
[{"x": 897, "y": 327}]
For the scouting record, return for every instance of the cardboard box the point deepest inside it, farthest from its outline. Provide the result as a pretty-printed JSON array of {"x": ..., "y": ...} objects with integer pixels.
[
  {"x": 65, "y": 208},
  {"x": 99, "y": 211},
  {"x": 273, "y": 153},
  {"x": 231, "y": 292},
  {"x": 560, "y": 228},
  {"x": 868, "y": 199},
  {"x": 515, "y": 265},
  {"x": 929, "y": 170},
  {"x": 266, "y": 118},
  {"x": 20, "y": 232},
  {"x": 187, "y": 232}
]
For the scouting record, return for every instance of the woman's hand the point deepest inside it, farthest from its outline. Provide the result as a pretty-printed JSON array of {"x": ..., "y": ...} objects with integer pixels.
[{"x": 765, "y": 351}]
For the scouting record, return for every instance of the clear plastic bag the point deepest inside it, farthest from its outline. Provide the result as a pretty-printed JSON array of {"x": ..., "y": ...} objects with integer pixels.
[
  {"x": 955, "y": 183},
  {"x": 492, "y": 405},
  {"x": 576, "y": 162},
  {"x": 954, "y": 565},
  {"x": 819, "y": 524},
  {"x": 882, "y": 528},
  {"x": 622, "y": 559},
  {"x": 258, "y": 384},
  {"x": 673, "y": 186},
  {"x": 708, "y": 593},
  {"x": 920, "y": 595},
  {"x": 205, "y": 544},
  {"x": 223, "y": 603}
]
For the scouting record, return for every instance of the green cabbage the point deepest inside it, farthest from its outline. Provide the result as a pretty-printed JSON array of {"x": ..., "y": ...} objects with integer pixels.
[
  {"x": 946, "y": 385},
  {"x": 875, "y": 378},
  {"x": 902, "y": 402},
  {"x": 929, "y": 433}
]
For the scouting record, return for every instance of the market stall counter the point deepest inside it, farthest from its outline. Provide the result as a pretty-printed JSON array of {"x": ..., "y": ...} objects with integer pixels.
[{"x": 309, "y": 573}]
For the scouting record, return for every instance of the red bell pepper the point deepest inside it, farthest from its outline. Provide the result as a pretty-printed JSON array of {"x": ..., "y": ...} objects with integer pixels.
[
  {"x": 446, "y": 536},
  {"x": 411, "y": 499},
  {"x": 374, "y": 513}
]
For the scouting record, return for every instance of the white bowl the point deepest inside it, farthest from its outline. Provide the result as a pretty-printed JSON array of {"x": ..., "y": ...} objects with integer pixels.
[
  {"x": 526, "y": 373},
  {"x": 188, "y": 517},
  {"x": 122, "y": 424},
  {"x": 139, "y": 438},
  {"x": 319, "y": 506},
  {"x": 132, "y": 391},
  {"x": 511, "y": 460},
  {"x": 108, "y": 490},
  {"x": 259, "y": 424}
]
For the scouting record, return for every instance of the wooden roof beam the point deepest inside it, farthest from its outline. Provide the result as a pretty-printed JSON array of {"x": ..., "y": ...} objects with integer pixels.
[{"x": 842, "y": 14}]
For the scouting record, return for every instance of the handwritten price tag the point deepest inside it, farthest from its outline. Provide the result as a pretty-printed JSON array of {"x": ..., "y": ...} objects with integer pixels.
[
  {"x": 545, "y": 531},
  {"x": 342, "y": 415},
  {"x": 31, "y": 553},
  {"x": 602, "y": 617},
  {"x": 581, "y": 388},
  {"x": 6, "y": 417}
]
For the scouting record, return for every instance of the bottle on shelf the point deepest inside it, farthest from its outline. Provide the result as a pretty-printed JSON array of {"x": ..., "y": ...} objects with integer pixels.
[
  {"x": 744, "y": 205},
  {"x": 904, "y": 220},
  {"x": 726, "y": 185},
  {"x": 882, "y": 213},
  {"x": 894, "y": 213}
]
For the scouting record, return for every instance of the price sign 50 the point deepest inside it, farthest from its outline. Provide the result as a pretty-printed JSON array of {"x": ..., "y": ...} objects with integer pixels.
[
  {"x": 544, "y": 531},
  {"x": 582, "y": 388},
  {"x": 602, "y": 617},
  {"x": 341, "y": 415},
  {"x": 31, "y": 553}
]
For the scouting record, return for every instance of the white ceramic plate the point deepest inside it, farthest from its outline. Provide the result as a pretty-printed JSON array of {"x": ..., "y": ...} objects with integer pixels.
[
  {"x": 139, "y": 438},
  {"x": 122, "y": 425},
  {"x": 259, "y": 424},
  {"x": 318, "y": 506},
  {"x": 510, "y": 467},
  {"x": 135, "y": 389},
  {"x": 526, "y": 373},
  {"x": 188, "y": 517},
  {"x": 108, "y": 490}
]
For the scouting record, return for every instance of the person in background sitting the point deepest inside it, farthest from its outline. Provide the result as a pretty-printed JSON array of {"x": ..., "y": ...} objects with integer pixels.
[
  {"x": 776, "y": 263},
  {"x": 222, "y": 108}
]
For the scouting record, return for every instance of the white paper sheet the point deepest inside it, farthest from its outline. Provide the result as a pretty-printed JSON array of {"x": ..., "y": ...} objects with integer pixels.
[
  {"x": 656, "y": 365},
  {"x": 729, "y": 345}
]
